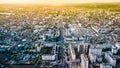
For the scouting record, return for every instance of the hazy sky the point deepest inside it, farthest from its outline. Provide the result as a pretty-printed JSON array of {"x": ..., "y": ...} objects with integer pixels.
[{"x": 56, "y": 1}]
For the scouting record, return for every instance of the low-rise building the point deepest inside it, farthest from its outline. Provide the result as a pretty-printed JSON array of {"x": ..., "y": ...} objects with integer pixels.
[
  {"x": 105, "y": 65},
  {"x": 96, "y": 51},
  {"x": 117, "y": 45},
  {"x": 48, "y": 52},
  {"x": 114, "y": 50}
]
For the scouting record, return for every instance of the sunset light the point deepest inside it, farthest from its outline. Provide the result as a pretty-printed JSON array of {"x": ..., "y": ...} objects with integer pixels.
[
  {"x": 56, "y": 1},
  {"x": 59, "y": 33}
]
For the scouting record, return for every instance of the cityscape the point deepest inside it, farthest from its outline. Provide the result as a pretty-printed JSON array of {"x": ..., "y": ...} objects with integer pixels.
[{"x": 62, "y": 36}]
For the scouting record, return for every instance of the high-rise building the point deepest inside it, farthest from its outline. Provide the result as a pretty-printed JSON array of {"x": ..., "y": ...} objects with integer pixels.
[
  {"x": 84, "y": 61},
  {"x": 110, "y": 58},
  {"x": 93, "y": 58},
  {"x": 72, "y": 53}
]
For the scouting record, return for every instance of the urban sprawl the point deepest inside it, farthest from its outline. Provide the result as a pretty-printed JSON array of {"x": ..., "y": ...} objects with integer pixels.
[{"x": 59, "y": 37}]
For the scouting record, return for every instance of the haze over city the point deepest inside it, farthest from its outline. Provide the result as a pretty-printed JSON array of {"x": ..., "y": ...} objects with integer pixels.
[{"x": 57, "y": 1}]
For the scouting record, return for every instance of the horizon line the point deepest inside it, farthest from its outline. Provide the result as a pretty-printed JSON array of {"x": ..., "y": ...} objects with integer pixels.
[{"x": 62, "y": 3}]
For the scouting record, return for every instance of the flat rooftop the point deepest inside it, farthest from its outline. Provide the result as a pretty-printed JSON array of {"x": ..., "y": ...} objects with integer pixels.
[{"x": 47, "y": 50}]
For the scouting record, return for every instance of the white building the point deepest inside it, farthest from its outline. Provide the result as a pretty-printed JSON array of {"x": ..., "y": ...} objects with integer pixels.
[
  {"x": 104, "y": 46},
  {"x": 72, "y": 52},
  {"x": 67, "y": 32},
  {"x": 114, "y": 50},
  {"x": 84, "y": 61},
  {"x": 110, "y": 58},
  {"x": 117, "y": 45},
  {"x": 93, "y": 58},
  {"x": 95, "y": 55},
  {"x": 103, "y": 30},
  {"x": 99, "y": 59},
  {"x": 38, "y": 47},
  {"x": 105, "y": 65},
  {"x": 95, "y": 51},
  {"x": 48, "y": 57}
]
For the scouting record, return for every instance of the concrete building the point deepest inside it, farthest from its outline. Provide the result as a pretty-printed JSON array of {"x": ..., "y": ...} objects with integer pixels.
[
  {"x": 104, "y": 46},
  {"x": 38, "y": 47},
  {"x": 84, "y": 61},
  {"x": 48, "y": 57},
  {"x": 72, "y": 52},
  {"x": 48, "y": 52},
  {"x": 93, "y": 58},
  {"x": 105, "y": 65},
  {"x": 99, "y": 59},
  {"x": 95, "y": 51},
  {"x": 117, "y": 45},
  {"x": 85, "y": 47},
  {"x": 110, "y": 58},
  {"x": 67, "y": 32},
  {"x": 95, "y": 55},
  {"x": 114, "y": 50}
]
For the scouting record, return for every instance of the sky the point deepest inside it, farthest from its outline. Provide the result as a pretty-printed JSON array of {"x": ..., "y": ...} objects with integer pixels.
[{"x": 56, "y": 1}]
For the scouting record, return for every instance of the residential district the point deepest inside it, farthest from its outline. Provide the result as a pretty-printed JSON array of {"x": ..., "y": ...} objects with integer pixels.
[{"x": 59, "y": 38}]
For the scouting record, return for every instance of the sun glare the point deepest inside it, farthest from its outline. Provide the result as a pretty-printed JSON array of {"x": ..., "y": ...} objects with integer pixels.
[
  {"x": 16, "y": 1},
  {"x": 56, "y": 1}
]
